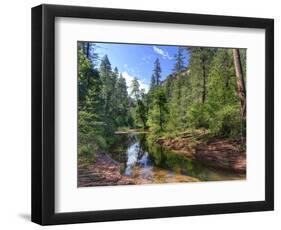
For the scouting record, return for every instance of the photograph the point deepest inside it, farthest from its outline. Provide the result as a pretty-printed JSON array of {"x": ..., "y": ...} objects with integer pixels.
[
  {"x": 142, "y": 113},
  {"x": 152, "y": 114}
]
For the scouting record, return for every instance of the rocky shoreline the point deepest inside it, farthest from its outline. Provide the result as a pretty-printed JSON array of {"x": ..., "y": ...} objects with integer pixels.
[
  {"x": 107, "y": 172},
  {"x": 104, "y": 171},
  {"x": 219, "y": 153}
]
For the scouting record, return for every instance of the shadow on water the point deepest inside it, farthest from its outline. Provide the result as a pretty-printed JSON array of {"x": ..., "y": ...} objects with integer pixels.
[{"x": 143, "y": 158}]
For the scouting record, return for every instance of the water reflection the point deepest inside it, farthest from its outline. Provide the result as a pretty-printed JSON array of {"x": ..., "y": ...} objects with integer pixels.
[
  {"x": 145, "y": 160},
  {"x": 132, "y": 158}
]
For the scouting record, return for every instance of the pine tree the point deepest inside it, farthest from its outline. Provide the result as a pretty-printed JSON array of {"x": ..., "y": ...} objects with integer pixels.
[
  {"x": 91, "y": 123},
  {"x": 158, "y": 113},
  {"x": 122, "y": 102},
  {"x": 116, "y": 71},
  {"x": 108, "y": 90},
  {"x": 93, "y": 100},
  {"x": 157, "y": 72},
  {"x": 152, "y": 82},
  {"x": 135, "y": 89},
  {"x": 179, "y": 58},
  {"x": 108, "y": 80},
  {"x": 105, "y": 66},
  {"x": 142, "y": 112},
  {"x": 84, "y": 74},
  {"x": 88, "y": 48},
  {"x": 200, "y": 62}
]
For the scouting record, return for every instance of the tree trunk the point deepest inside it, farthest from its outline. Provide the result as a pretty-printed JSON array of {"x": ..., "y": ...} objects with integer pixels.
[
  {"x": 240, "y": 81},
  {"x": 88, "y": 50},
  {"x": 226, "y": 77}
]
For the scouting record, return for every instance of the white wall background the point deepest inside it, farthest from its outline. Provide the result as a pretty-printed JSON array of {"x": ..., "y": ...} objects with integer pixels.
[{"x": 15, "y": 114}]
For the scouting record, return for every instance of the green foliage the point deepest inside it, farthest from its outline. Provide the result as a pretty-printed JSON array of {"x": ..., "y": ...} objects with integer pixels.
[
  {"x": 88, "y": 49},
  {"x": 156, "y": 73},
  {"x": 201, "y": 96},
  {"x": 84, "y": 75},
  {"x": 141, "y": 112},
  {"x": 179, "y": 57},
  {"x": 136, "y": 93},
  {"x": 103, "y": 104},
  {"x": 222, "y": 81},
  {"x": 152, "y": 82},
  {"x": 223, "y": 101},
  {"x": 108, "y": 84},
  {"x": 122, "y": 115},
  {"x": 159, "y": 111},
  {"x": 205, "y": 95},
  {"x": 226, "y": 121},
  {"x": 198, "y": 116},
  {"x": 90, "y": 137},
  {"x": 177, "y": 92}
]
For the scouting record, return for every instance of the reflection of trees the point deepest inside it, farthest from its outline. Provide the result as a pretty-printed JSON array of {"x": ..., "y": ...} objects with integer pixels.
[
  {"x": 159, "y": 157},
  {"x": 119, "y": 146},
  {"x": 143, "y": 146},
  {"x": 169, "y": 160}
]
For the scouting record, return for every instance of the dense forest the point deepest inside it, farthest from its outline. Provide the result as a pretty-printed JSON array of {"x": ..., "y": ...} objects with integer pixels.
[{"x": 206, "y": 96}]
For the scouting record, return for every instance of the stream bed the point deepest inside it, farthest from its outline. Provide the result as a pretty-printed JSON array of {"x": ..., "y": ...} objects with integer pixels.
[{"x": 145, "y": 162}]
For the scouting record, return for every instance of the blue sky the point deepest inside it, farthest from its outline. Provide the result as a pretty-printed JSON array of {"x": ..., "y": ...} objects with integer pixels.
[{"x": 137, "y": 60}]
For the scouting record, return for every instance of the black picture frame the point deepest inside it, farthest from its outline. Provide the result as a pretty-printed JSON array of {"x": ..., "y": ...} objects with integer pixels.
[{"x": 43, "y": 114}]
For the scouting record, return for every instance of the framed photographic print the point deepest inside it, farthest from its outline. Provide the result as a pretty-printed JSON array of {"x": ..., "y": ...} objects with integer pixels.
[{"x": 142, "y": 114}]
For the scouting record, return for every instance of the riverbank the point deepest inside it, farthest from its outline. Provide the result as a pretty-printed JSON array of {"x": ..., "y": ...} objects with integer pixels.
[
  {"x": 141, "y": 158},
  {"x": 107, "y": 172},
  {"x": 226, "y": 154},
  {"x": 128, "y": 131},
  {"x": 104, "y": 171}
]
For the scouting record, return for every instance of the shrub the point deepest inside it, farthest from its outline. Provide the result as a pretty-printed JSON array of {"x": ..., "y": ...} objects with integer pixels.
[
  {"x": 226, "y": 121},
  {"x": 86, "y": 155},
  {"x": 197, "y": 116},
  {"x": 91, "y": 137}
]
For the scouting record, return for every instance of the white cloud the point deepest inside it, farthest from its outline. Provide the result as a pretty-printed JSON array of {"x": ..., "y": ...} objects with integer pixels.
[
  {"x": 163, "y": 53},
  {"x": 129, "y": 78},
  {"x": 146, "y": 59}
]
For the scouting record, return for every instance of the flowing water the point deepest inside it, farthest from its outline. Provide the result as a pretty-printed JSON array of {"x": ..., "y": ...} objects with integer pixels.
[{"x": 147, "y": 162}]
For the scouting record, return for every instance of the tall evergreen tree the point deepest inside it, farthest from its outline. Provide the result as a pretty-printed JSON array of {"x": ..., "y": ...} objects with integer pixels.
[
  {"x": 158, "y": 113},
  {"x": 122, "y": 102},
  {"x": 84, "y": 74},
  {"x": 88, "y": 49},
  {"x": 157, "y": 72},
  {"x": 179, "y": 58},
  {"x": 115, "y": 76},
  {"x": 223, "y": 102},
  {"x": 91, "y": 123},
  {"x": 152, "y": 82},
  {"x": 105, "y": 66},
  {"x": 116, "y": 71},
  {"x": 108, "y": 90},
  {"x": 142, "y": 109},
  {"x": 108, "y": 80},
  {"x": 135, "y": 89},
  {"x": 94, "y": 101},
  {"x": 200, "y": 63}
]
